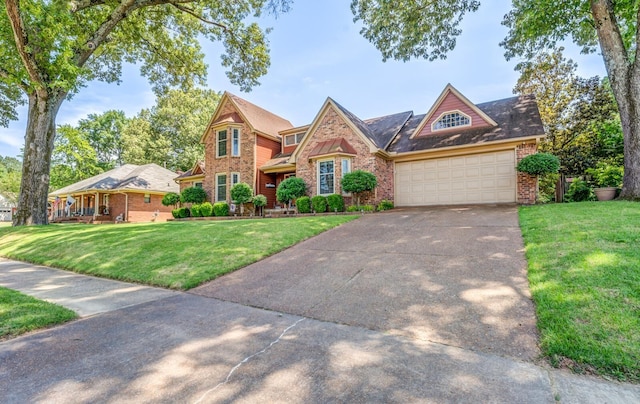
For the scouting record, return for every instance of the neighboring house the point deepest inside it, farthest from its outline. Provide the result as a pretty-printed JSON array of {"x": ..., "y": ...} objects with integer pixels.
[
  {"x": 193, "y": 177},
  {"x": 457, "y": 153},
  {"x": 128, "y": 193},
  {"x": 7, "y": 207}
]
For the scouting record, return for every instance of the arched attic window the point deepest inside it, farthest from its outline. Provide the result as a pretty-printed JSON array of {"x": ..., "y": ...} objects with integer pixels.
[{"x": 451, "y": 119}]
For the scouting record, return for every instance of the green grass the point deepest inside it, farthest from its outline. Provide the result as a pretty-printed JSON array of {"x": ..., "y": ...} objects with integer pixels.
[
  {"x": 584, "y": 272},
  {"x": 179, "y": 255},
  {"x": 21, "y": 313}
]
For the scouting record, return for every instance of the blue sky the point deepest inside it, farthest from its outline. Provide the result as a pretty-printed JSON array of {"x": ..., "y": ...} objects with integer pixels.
[{"x": 317, "y": 52}]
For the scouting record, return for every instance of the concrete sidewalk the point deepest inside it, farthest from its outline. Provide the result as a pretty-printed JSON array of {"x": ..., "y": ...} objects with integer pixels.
[{"x": 86, "y": 295}]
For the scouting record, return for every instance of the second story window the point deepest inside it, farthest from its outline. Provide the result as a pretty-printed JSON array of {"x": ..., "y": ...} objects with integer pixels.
[
  {"x": 451, "y": 120},
  {"x": 294, "y": 139},
  {"x": 235, "y": 142},
  {"x": 221, "y": 143}
]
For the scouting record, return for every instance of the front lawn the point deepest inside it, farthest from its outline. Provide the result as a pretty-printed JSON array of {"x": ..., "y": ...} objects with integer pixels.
[
  {"x": 21, "y": 313},
  {"x": 584, "y": 272},
  {"x": 179, "y": 255}
]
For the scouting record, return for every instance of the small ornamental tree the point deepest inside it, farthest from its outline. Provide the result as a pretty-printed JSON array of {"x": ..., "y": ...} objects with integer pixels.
[
  {"x": 241, "y": 193},
  {"x": 539, "y": 164},
  {"x": 171, "y": 199},
  {"x": 291, "y": 188},
  {"x": 260, "y": 201},
  {"x": 357, "y": 182},
  {"x": 193, "y": 195}
]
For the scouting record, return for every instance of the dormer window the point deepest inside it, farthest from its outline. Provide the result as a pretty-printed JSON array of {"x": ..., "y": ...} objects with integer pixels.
[
  {"x": 294, "y": 139},
  {"x": 451, "y": 120}
]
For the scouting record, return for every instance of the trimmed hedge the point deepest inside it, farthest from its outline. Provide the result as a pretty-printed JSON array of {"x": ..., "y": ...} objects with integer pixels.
[
  {"x": 193, "y": 195},
  {"x": 206, "y": 209},
  {"x": 319, "y": 204},
  {"x": 304, "y": 204},
  {"x": 335, "y": 203},
  {"x": 221, "y": 209},
  {"x": 195, "y": 210},
  {"x": 385, "y": 205},
  {"x": 538, "y": 164}
]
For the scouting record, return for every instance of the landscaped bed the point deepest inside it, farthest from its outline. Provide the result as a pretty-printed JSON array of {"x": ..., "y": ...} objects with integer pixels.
[
  {"x": 179, "y": 255},
  {"x": 21, "y": 313},
  {"x": 584, "y": 271}
]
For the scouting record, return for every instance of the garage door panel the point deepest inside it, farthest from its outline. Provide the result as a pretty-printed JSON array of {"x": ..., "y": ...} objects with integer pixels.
[{"x": 481, "y": 178}]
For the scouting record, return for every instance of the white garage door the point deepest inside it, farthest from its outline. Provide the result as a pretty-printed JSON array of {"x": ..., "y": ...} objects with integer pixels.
[{"x": 476, "y": 178}]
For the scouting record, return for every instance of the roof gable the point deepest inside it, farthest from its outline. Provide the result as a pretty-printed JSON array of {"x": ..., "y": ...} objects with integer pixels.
[
  {"x": 451, "y": 100},
  {"x": 259, "y": 119},
  {"x": 356, "y": 124}
]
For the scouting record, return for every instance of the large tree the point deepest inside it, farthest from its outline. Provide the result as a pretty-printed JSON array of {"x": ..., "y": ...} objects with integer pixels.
[
  {"x": 104, "y": 134},
  {"x": 10, "y": 168},
  {"x": 73, "y": 159},
  {"x": 428, "y": 29},
  {"x": 49, "y": 49}
]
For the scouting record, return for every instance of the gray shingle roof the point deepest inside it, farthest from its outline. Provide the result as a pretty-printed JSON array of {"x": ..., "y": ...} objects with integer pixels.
[
  {"x": 385, "y": 128},
  {"x": 516, "y": 117},
  {"x": 129, "y": 177}
]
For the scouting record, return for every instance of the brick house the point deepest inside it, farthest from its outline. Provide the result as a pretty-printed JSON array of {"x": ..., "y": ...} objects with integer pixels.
[
  {"x": 133, "y": 193},
  {"x": 457, "y": 153}
]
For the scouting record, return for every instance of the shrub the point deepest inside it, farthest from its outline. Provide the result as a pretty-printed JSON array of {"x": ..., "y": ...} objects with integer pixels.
[
  {"x": 291, "y": 188},
  {"x": 206, "y": 209},
  {"x": 195, "y": 210},
  {"x": 175, "y": 213},
  {"x": 221, "y": 209},
  {"x": 353, "y": 208},
  {"x": 319, "y": 204},
  {"x": 335, "y": 203},
  {"x": 606, "y": 175},
  {"x": 193, "y": 195},
  {"x": 170, "y": 199},
  {"x": 260, "y": 201},
  {"x": 579, "y": 191},
  {"x": 547, "y": 187},
  {"x": 385, "y": 205},
  {"x": 368, "y": 208},
  {"x": 304, "y": 204},
  {"x": 183, "y": 212},
  {"x": 241, "y": 193},
  {"x": 538, "y": 164},
  {"x": 358, "y": 181}
]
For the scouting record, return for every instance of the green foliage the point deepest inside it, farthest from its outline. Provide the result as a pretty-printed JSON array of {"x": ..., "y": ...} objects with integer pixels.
[
  {"x": 10, "y": 175},
  {"x": 195, "y": 210},
  {"x": 73, "y": 158},
  {"x": 193, "y": 195},
  {"x": 319, "y": 204},
  {"x": 547, "y": 187},
  {"x": 206, "y": 209},
  {"x": 335, "y": 203},
  {"x": 241, "y": 193},
  {"x": 368, "y": 208},
  {"x": 291, "y": 188},
  {"x": 259, "y": 201},
  {"x": 385, "y": 205},
  {"x": 359, "y": 181},
  {"x": 607, "y": 175},
  {"x": 304, "y": 204},
  {"x": 175, "y": 213},
  {"x": 170, "y": 199},
  {"x": 538, "y": 164},
  {"x": 413, "y": 29},
  {"x": 183, "y": 212},
  {"x": 221, "y": 209},
  {"x": 579, "y": 191},
  {"x": 104, "y": 134}
]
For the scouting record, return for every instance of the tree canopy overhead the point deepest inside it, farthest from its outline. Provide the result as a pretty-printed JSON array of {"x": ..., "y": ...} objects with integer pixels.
[
  {"x": 428, "y": 29},
  {"x": 49, "y": 49}
]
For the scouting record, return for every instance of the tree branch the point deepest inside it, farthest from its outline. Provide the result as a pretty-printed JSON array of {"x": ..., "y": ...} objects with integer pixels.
[
  {"x": 84, "y": 4},
  {"x": 199, "y": 17},
  {"x": 611, "y": 43},
  {"x": 22, "y": 42},
  {"x": 5, "y": 74}
]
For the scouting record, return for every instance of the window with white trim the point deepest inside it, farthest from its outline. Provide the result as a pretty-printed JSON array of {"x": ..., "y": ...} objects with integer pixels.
[
  {"x": 346, "y": 168},
  {"x": 451, "y": 120},
  {"x": 221, "y": 187},
  {"x": 325, "y": 177},
  {"x": 235, "y": 142},
  {"x": 221, "y": 143},
  {"x": 197, "y": 185},
  {"x": 147, "y": 198},
  {"x": 294, "y": 139},
  {"x": 235, "y": 178}
]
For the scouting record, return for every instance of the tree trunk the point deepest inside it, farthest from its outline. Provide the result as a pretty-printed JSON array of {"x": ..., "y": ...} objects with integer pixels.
[
  {"x": 38, "y": 146},
  {"x": 629, "y": 106}
]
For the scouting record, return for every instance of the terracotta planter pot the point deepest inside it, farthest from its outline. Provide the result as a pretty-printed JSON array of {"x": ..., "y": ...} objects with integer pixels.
[{"x": 605, "y": 194}]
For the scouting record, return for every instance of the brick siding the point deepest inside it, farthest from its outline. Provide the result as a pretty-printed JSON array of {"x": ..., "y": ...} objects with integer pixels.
[{"x": 527, "y": 184}]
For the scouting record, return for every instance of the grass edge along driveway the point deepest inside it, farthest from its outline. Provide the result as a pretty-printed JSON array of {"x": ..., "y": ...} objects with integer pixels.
[
  {"x": 585, "y": 280},
  {"x": 178, "y": 255},
  {"x": 20, "y": 313}
]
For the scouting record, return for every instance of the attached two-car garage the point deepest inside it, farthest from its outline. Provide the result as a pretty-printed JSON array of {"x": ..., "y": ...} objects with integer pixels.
[{"x": 469, "y": 179}]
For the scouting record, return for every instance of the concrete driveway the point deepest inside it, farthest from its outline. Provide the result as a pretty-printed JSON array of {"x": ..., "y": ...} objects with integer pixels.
[{"x": 452, "y": 275}]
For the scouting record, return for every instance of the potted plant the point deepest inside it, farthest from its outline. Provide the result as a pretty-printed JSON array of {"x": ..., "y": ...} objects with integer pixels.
[{"x": 607, "y": 178}]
